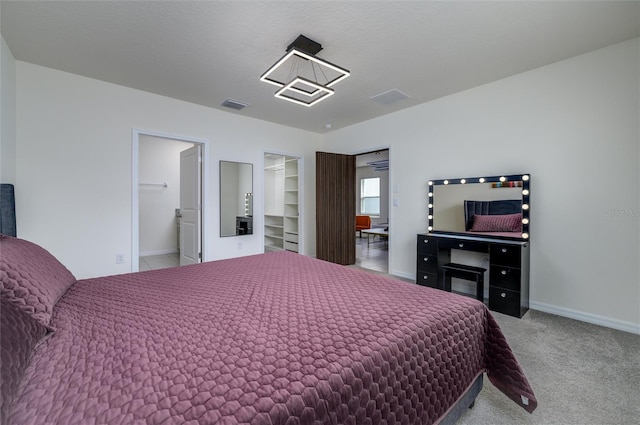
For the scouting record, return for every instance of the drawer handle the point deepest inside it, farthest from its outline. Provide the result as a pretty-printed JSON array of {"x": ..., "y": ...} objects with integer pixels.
[
  {"x": 504, "y": 250},
  {"x": 426, "y": 259},
  {"x": 503, "y": 295},
  {"x": 460, "y": 245},
  {"x": 425, "y": 277},
  {"x": 426, "y": 241},
  {"x": 504, "y": 272}
]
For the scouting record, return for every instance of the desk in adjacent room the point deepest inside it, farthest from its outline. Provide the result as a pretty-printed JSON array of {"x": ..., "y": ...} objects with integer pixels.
[{"x": 383, "y": 233}]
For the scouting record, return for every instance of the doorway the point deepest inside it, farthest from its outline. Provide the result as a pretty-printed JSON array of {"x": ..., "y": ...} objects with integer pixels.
[
  {"x": 372, "y": 200},
  {"x": 336, "y": 201},
  {"x": 168, "y": 200}
]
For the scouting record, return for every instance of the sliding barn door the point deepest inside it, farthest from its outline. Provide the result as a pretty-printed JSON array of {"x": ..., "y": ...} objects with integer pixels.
[{"x": 336, "y": 207}]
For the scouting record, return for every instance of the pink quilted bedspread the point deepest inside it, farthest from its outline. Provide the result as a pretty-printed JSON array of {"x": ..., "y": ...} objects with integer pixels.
[{"x": 269, "y": 339}]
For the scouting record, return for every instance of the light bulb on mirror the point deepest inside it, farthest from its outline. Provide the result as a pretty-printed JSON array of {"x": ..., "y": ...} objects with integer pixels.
[
  {"x": 430, "y": 183},
  {"x": 525, "y": 177},
  {"x": 430, "y": 194},
  {"x": 430, "y": 228},
  {"x": 525, "y": 206},
  {"x": 463, "y": 181},
  {"x": 481, "y": 179},
  {"x": 446, "y": 182},
  {"x": 525, "y": 236},
  {"x": 525, "y": 221},
  {"x": 525, "y": 192},
  {"x": 503, "y": 178}
]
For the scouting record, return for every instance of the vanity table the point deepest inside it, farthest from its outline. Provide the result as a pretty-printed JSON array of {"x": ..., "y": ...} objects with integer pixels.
[
  {"x": 489, "y": 215},
  {"x": 508, "y": 267}
]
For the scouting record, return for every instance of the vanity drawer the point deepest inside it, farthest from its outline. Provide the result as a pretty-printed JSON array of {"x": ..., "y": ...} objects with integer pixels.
[
  {"x": 505, "y": 277},
  {"x": 504, "y": 301},
  {"x": 506, "y": 255},
  {"x": 427, "y": 245},
  {"x": 427, "y": 263},
  {"x": 427, "y": 279},
  {"x": 464, "y": 244}
]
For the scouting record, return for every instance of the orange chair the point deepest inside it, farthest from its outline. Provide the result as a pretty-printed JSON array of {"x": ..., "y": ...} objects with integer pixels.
[{"x": 362, "y": 222}]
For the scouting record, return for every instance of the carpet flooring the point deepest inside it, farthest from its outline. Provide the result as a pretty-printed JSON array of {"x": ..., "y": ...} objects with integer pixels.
[{"x": 581, "y": 374}]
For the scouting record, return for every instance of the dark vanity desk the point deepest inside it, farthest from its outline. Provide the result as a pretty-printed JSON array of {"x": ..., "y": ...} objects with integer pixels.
[{"x": 508, "y": 267}]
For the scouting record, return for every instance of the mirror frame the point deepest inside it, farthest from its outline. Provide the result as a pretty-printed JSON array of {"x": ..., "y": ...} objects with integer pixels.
[
  {"x": 525, "y": 178},
  {"x": 220, "y": 195}
]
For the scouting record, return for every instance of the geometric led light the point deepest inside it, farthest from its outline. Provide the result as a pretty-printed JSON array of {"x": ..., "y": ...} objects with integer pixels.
[
  {"x": 302, "y": 77},
  {"x": 295, "y": 53},
  {"x": 315, "y": 95}
]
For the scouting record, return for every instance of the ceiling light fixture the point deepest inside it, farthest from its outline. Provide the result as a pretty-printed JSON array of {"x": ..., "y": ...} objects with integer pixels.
[{"x": 299, "y": 81}]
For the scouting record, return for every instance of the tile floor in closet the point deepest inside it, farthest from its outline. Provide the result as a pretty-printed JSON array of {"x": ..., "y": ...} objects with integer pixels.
[{"x": 154, "y": 262}]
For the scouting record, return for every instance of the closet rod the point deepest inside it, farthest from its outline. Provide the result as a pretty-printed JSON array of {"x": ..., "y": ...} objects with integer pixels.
[{"x": 154, "y": 184}]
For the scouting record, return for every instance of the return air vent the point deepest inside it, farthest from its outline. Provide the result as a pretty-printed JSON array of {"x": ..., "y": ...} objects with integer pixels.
[
  {"x": 389, "y": 97},
  {"x": 381, "y": 165},
  {"x": 234, "y": 104}
]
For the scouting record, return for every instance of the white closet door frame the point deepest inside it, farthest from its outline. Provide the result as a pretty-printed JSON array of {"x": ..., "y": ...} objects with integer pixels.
[{"x": 135, "y": 201}]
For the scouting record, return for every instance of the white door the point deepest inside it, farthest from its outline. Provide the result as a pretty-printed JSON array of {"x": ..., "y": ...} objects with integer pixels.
[{"x": 190, "y": 190}]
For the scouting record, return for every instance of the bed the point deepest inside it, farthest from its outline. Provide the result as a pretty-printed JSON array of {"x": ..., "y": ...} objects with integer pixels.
[{"x": 276, "y": 338}]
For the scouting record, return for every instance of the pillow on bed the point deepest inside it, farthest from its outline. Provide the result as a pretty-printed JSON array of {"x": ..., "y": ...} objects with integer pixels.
[
  {"x": 497, "y": 223},
  {"x": 31, "y": 278},
  {"x": 19, "y": 335}
]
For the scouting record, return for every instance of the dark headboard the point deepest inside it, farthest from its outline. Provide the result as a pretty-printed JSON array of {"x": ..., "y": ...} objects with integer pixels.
[
  {"x": 507, "y": 206},
  {"x": 7, "y": 210}
]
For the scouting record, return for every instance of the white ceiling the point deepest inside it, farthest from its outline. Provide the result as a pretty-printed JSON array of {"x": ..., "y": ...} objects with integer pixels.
[{"x": 205, "y": 52}]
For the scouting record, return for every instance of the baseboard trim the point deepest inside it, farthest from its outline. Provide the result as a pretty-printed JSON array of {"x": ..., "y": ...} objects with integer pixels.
[
  {"x": 407, "y": 276},
  {"x": 158, "y": 252},
  {"x": 595, "y": 319}
]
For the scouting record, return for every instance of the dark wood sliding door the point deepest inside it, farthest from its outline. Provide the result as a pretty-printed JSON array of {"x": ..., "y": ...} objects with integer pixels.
[{"x": 335, "y": 207}]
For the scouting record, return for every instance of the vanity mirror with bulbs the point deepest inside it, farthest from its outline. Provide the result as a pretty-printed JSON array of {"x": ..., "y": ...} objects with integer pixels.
[{"x": 488, "y": 215}]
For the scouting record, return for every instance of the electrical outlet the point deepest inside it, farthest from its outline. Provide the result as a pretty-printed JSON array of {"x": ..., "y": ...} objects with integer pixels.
[{"x": 119, "y": 258}]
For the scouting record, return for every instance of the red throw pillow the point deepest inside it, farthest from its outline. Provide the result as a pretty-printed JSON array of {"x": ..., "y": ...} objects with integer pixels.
[{"x": 497, "y": 223}]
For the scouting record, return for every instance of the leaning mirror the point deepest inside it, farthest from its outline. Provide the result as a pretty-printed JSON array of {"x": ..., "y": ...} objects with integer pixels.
[
  {"x": 236, "y": 198},
  {"x": 493, "y": 206}
]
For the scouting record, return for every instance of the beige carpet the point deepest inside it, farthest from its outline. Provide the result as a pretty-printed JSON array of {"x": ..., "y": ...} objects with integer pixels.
[{"x": 581, "y": 374}]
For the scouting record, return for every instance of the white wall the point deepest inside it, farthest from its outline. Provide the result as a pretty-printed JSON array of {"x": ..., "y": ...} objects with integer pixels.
[
  {"x": 7, "y": 115},
  {"x": 75, "y": 160},
  {"x": 159, "y": 162},
  {"x": 574, "y": 126}
]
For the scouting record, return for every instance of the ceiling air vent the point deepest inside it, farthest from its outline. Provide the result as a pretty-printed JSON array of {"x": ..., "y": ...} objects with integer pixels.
[
  {"x": 234, "y": 104},
  {"x": 381, "y": 165},
  {"x": 389, "y": 97}
]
